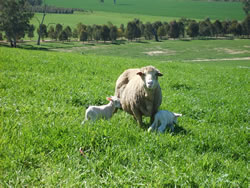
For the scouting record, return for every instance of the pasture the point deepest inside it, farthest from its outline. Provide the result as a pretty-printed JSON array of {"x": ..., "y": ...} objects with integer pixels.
[
  {"x": 165, "y": 51},
  {"x": 98, "y": 18},
  {"x": 193, "y": 9},
  {"x": 43, "y": 97}
]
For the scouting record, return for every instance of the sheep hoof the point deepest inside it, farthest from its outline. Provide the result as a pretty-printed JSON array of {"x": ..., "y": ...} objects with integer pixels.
[{"x": 150, "y": 129}]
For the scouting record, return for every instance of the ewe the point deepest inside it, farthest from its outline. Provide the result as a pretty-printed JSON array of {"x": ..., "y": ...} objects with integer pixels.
[
  {"x": 164, "y": 118},
  {"x": 139, "y": 92},
  {"x": 105, "y": 111}
]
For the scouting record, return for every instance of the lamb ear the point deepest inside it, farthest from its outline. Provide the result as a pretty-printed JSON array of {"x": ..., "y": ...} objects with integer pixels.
[
  {"x": 140, "y": 73},
  {"x": 109, "y": 99},
  {"x": 159, "y": 73}
]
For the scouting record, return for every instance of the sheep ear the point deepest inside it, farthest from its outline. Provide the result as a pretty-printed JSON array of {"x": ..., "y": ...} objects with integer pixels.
[
  {"x": 177, "y": 115},
  {"x": 109, "y": 99},
  {"x": 159, "y": 74},
  {"x": 140, "y": 73}
]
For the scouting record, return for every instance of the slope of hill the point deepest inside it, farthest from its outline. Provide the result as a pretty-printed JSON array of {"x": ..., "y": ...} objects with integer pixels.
[
  {"x": 169, "y": 8},
  {"x": 43, "y": 97}
]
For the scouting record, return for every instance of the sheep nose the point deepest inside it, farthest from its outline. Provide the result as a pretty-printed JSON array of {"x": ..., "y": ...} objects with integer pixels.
[{"x": 150, "y": 83}]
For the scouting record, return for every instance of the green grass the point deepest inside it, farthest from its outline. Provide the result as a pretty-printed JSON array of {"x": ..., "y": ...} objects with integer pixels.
[
  {"x": 43, "y": 97},
  {"x": 165, "y": 51},
  {"x": 98, "y": 18},
  {"x": 167, "y": 8}
]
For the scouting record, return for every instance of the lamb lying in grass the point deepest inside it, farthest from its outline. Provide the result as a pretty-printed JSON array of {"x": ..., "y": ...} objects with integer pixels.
[
  {"x": 94, "y": 113},
  {"x": 163, "y": 119}
]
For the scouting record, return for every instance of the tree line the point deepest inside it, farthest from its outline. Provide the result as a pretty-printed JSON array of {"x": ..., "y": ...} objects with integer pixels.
[
  {"x": 137, "y": 30},
  {"x": 55, "y": 10},
  {"x": 16, "y": 26}
]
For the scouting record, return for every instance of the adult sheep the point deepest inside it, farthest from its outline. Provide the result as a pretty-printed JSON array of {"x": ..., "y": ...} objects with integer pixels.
[{"x": 139, "y": 92}]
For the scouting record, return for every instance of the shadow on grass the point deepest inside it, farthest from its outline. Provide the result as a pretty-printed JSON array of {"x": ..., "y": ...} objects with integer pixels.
[
  {"x": 179, "y": 130},
  {"x": 24, "y": 46},
  {"x": 124, "y": 4},
  {"x": 32, "y": 47},
  {"x": 117, "y": 42}
]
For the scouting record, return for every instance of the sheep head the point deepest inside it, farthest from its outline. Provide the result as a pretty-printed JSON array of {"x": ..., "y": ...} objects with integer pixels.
[{"x": 149, "y": 76}]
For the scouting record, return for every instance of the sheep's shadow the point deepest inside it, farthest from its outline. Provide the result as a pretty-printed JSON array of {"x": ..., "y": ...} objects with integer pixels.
[{"x": 178, "y": 130}]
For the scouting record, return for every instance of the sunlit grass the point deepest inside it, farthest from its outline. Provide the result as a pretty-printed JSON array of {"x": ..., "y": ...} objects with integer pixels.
[
  {"x": 169, "y": 8},
  {"x": 43, "y": 97}
]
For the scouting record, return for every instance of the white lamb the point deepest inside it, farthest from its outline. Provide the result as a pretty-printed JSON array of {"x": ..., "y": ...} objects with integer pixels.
[
  {"x": 94, "y": 113},
  {"x": 163, "y": 119}
]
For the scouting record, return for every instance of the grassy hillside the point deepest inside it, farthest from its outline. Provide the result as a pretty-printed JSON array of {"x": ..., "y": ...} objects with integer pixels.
[
  {"x": 43, "y": 97},
  {"x": 90, "y": 18},
  {"x": 167, "y": 8},
  {"x": 170, "y": 50},
  {"x": 165, "y": 51}
]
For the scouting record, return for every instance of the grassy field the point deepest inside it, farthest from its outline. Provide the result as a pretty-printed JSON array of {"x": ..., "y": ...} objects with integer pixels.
[
  {"x": 165, "y": 51},
  {"x": 90, "y": 18},
  {"x": 123, "y": 12},
  {"x": 168, "y": 8},
  {"x": 43, "y": 97}
]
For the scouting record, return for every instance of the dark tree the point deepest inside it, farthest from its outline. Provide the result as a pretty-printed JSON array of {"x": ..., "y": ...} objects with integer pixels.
[
  {"x": 246, "y": 25},
  {"x": 148, "y": 31},
  {"x": 59, "y": 29},
  {"x": 14, "y": 19},
  {"x": 90, "y": 32},
  {"x": 83, "y": 35},
  {"x": 193, "y": 29},
  {"x": 113, "y": 33},
  {"x": 239, "y": 29},
  {"x": 122, "y": 28},
  {"x": 105, "y": 33},
  {"x": 233, "y": 27},
  {"x": 52, "y": 33},
  {"x": 166, "y": 26},
  {"x": 68, "y": 31},
  {"x": 225, "y": 27},
  {"x": 205, "y": 28},
  {"x": 1, "y": 36},
  {"x": 97, "y": 32},
  {"x": 161, "y": 31},
  {"x": 31, "y": 30},
  {"x": 174, "y": 30},
  {"x": 155, "y": 26},
  {"x": 42, "y": 31},
  {"x": 63, "y": 36},
  {"x": 181, "y": 28},
  {"x": 246, "y": 6},
  {"x": 75, "y": 33},
  {"x": 130, "y": 30},
  {"x": 217, "y": 25},
  {"x": 133, "y": 30},
  {"x": 35, "y": 2},
  {"x": 81, "y": 27}
]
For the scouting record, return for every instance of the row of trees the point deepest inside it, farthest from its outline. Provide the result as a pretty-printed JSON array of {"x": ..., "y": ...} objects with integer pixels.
[
  {"x": 17, "y": 26},
  {"x": 136, "y": 29},
  {"x": 55, "y": 10},
  {"x": 35, "y": 2}
]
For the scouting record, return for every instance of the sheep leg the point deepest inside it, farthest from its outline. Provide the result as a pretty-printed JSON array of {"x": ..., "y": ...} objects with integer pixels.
[
  {"x": 171, "y": 127},
  {"x": 153, "y": 126},
  {"x": 138, "y": 117},
  {"x": 162, "y": 127}
]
